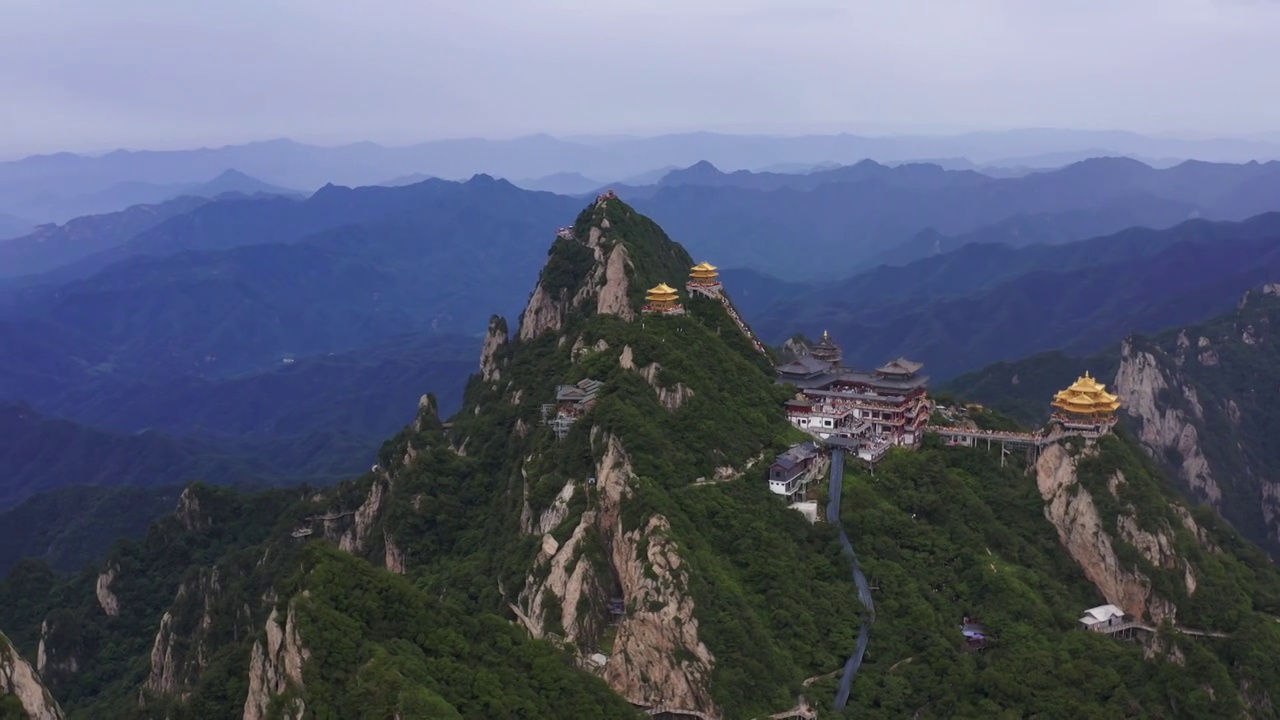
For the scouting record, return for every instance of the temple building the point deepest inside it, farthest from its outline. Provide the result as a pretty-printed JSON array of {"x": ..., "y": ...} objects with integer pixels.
[
  {"x": 826, "y": 350},
  {"x": 703, "y": 278},
  {"x": 1086, "y": 405},
  {"x": 663, "y": 300},
  {"x": 792, "y": 471},
  {"x": 886, "y": 406},
  {"x": 572, "y": 402}
]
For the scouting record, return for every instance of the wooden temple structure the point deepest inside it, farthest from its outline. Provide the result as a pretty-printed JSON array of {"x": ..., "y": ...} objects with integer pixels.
[
  {"x": 1085, "y": 405},
  {"x": 888, "y": 406},
  {"x": 663, "y": 300},
  {"x": 704, "y": 278}
]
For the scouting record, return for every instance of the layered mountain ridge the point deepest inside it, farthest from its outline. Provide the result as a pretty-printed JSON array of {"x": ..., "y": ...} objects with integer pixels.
[{"x": 591, "y": 535}]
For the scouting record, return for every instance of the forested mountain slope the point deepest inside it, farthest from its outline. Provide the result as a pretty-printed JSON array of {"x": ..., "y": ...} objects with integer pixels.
[
  {"x": 1201, "y": 397},
  {"x": 644, "y": 548}
]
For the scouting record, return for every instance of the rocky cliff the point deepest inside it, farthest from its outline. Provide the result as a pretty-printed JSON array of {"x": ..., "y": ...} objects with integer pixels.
[
  {"x": 1203, "y": 402},
  {"x": 18, "y": 680},
  {"x": 275, "y": 668},
  {"x": 1082, "y": 531},
  {"x": 599, "y": 538}
]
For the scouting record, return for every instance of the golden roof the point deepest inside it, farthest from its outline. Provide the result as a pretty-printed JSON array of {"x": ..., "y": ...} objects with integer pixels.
[
  {"x": 663, "y": 293},
  {"x": 704, "y": 267},
  {"x": 1087, "y": 396}
]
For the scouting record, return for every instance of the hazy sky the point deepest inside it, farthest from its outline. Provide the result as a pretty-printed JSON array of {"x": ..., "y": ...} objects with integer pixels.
[{"x": 90, "y": 74}]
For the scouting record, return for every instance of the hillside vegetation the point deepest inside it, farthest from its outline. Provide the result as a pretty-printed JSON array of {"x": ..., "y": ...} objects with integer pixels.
[
  {"x": 1193, "y": 396},
  {"x": 484, "y": 566}
]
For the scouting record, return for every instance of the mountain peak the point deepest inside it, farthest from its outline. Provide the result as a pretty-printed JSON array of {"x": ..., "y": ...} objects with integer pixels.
[
  {"x": 602, "y": 264},
  {"x": 699, "y": 173}
]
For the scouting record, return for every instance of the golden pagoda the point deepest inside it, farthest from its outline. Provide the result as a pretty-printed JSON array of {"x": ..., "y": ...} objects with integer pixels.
[
  {"x": 1087, "y": 400},
  {"x": 662, "y": 299},
  {"x": 704, "y": 273}
]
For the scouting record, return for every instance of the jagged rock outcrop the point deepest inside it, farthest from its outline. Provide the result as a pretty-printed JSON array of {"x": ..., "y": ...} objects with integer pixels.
[
  {"x": 393, "y": 556},
  {"x": 182, "y": 647},
  {"x": 19, "y": 680},
  {"x": 1163, "y": 426},
  {"x": 494, "y": 340},
  {"x": 605, "y": 289},
  {"x": 51, "y": 658},
  {"x": 107, "y": 600},
  {"x": 658, "y": 657},
  {"x": 671, "y": 398},
  {"x": 189, "y": 513},
  {"x": 1074, "y": 514},
  {"x": 540, "y": 315},
  {"x": 552, "y": 516},
  {"x": 613, "y": 298},
  {"x": 275, "y": 667},
  {"x": 355, "y": 538}
]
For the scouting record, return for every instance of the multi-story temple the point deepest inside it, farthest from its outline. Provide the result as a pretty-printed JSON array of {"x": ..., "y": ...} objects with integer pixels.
[
  {"x": 1086, "y": 405},
  {"x": 826, "y": 350},
  {"x": 703, "y": 278},
  {"x": 889, "y": 404},
  {"x": 663, "y": 300}
]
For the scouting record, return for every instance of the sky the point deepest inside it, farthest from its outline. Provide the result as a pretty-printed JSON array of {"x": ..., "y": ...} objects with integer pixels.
[{"x": 83, "y": 75}]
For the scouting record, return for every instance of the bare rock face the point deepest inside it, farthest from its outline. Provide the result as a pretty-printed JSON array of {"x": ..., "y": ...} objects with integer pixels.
[
  {"x": 540, "y": 315},
  {"x": 50, "y": 660},
  {"x": 107, "y": 600},
  {"x": 18, "y": 679},
  {"x": 189, "y": 513},
  {"x": 552, "y": 516},
  {"x": 613, "y": 299},
  {"x": 494, "y": 340},
  {"x": 1141, "y": 383},
  {"x": 658, "y": 657},
  {"x": 276, "y": 666},
  {"x": 1075, "y": 516},
  {"x": 181, "y": 649},
  {"x": 394, "y": 556},
  {"x": 604, "y": 290},
  {"x": 355, "y": 539}
]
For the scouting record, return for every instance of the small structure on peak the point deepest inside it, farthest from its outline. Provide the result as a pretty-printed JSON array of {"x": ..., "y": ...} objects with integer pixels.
[
  {"x": 1085, "y": 406},
  {"x": 606, "y": 195},
  {"x": 663, "y": 300},
  {"x": 704, "y": 279}
]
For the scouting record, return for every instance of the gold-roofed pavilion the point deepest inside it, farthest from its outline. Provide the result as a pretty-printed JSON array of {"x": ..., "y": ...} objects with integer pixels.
[
  {"x": 704, "y": 271},
  {"x": 662, "y": 298},
  {"x": 1087, "y": 398}
]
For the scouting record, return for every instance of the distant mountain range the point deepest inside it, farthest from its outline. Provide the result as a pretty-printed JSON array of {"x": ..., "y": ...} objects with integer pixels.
[
  {"x": 295, "y": 165},
  {"x": 985, "y": 303},
  {"x": 41, "y": 454},
  {"x": 58, "y": 202},
  {"x": 51, "y": 246},
  {"x": 831, "y": 223}
]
